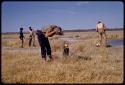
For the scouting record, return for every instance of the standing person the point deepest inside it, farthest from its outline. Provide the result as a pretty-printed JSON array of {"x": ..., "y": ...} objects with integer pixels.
[
  {"x": 21, "y": 36},
  {"x": 44, "y": 42},
  {"x": 101, "y": 28},
  {"x": 31, "y": 37}
]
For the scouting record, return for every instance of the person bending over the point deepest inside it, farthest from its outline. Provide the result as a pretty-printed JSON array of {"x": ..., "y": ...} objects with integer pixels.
[{"x": 43, "y": 35}]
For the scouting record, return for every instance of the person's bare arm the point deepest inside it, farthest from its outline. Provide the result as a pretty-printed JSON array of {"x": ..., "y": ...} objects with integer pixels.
[
  {"x": 104, "y": 27},
  {"x": 49, "y": 34},
  {"x": 96, "y": 28}
]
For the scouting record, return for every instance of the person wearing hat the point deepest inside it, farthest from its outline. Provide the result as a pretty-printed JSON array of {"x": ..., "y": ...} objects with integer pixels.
[
  {"x": 43, "y": 35},
  {"x": 101, "y": 28},
  {"x": 21, "y": 36}
]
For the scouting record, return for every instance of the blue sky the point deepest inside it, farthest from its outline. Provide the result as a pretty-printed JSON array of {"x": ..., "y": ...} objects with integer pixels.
[{"x": 66, "y": 14}]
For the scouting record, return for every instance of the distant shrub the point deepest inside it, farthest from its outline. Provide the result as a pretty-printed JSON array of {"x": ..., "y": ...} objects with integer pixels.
[
  {"x": 113, "y": 36},
  {"x": 11, "y": 43},
  {"x": 77, "y": 36},
  {"x": 77, "y": 47},
  {"x": 4, "y": 43}
]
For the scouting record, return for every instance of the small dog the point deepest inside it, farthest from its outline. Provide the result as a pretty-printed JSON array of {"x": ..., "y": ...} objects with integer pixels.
[
  {"x": 66, "y": 49},
  {"x": 98, "y": 45}
]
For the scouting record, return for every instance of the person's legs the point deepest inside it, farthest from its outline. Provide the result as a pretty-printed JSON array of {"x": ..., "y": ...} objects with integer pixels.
[
  {"x": 105, "y": 39},
  {"x": 30, "y": 40},
  {"x": 100, "y": 38},
  {"x": 21, "y": 38},
  {"x": 22, "y": 42},
  {"x": 43, "y": 51},
  {"x": 48, "y": 48},
  {"x": 41, "y": 40},
  {"x": 34, "y": 41}
]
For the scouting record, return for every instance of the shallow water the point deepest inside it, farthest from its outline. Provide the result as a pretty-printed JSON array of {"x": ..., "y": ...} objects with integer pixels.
[{"x": 115, "y": 42}]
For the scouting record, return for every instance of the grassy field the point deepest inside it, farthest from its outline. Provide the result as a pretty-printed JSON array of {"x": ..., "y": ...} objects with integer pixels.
[{"x": 86, "y": 63}]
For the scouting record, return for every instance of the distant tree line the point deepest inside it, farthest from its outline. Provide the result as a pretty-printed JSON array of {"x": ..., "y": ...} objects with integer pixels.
[
  {"x": 74, "y": 30},
  {"x": 87, "y": 30}
]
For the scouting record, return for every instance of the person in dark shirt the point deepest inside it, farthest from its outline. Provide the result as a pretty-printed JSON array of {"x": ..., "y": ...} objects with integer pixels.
[
  {"x": 21, "y": 36},
  {"x": 44, "y": 42}
]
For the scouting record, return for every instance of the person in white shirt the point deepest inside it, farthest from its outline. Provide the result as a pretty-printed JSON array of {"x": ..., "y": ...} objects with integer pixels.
[
  {"x": 101, "y": 28},
  {"x": 31, "y": 37}
]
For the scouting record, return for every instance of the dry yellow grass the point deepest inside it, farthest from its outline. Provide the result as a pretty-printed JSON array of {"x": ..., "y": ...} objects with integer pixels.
[{"x": 85, "y": 64}]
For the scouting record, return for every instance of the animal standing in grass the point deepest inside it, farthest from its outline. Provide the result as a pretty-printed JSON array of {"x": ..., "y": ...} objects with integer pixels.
[{"x": 66, "y": 49}]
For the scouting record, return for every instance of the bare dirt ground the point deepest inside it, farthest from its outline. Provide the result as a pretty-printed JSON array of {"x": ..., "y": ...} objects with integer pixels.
[{"x": 86, "y": 63}]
